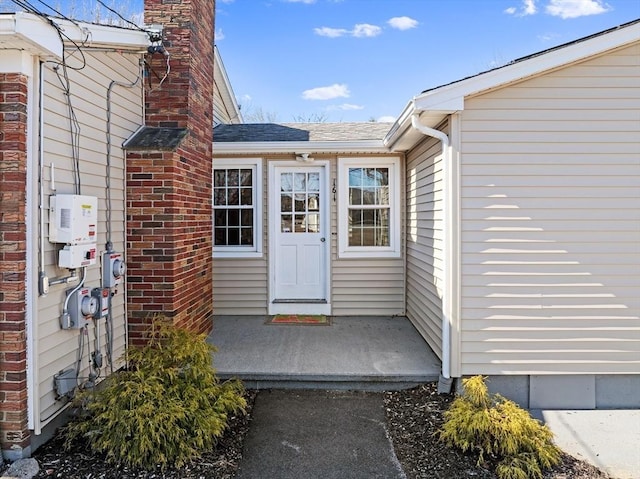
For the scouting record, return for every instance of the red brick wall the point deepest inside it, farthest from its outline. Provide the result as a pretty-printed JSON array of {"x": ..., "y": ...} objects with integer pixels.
[
  {"x": 169, "y": 222},
  {"x": 13, "y": 251}
]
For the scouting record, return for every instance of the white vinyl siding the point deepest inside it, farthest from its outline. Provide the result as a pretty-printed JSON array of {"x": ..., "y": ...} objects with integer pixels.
[
  {"x": 57, "y": 349},
  {"x": 550, "y": 219},
  {"x": 425, "y": 234}
]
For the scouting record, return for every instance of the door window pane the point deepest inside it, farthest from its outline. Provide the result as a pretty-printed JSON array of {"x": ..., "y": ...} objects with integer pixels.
[{"x": 300, "y": 194}]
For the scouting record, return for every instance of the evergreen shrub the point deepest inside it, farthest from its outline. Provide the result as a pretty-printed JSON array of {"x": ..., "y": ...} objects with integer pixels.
[
  {"x": 498, "y": 429},
  {"x": 166, "y": 407}
]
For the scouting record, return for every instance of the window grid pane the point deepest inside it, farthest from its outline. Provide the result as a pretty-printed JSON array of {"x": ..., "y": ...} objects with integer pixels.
[
  {"x": 369, "y": 227},
  {"x": 233, "y": 217}
]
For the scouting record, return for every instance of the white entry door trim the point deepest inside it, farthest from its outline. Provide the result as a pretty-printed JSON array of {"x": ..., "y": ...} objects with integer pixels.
[{"x": 285, "y": 297}]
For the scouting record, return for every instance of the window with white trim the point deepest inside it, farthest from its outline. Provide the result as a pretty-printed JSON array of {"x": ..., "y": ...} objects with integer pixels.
[
  {"x": 369, "y": 207},
  {"x": 237, "y": 207}
]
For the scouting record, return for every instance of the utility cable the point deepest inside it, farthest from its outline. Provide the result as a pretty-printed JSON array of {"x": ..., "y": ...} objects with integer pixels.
[{"x": 120, "y": 16}]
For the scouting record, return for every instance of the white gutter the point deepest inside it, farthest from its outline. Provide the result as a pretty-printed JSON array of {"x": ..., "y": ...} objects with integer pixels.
[{"x": 447, "y": 300}]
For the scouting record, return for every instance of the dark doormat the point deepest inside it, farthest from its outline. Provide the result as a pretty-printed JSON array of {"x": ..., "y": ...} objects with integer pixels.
[{"x": 302, "y": 319}]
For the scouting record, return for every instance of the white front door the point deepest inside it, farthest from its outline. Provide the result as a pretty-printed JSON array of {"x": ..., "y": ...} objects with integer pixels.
[{"x": 300, "y": 239}]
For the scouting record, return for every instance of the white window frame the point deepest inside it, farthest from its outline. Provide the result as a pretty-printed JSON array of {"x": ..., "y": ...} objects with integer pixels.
[
  {"x": 391, "y": 251},
  {"x": 254, "y": 251}
]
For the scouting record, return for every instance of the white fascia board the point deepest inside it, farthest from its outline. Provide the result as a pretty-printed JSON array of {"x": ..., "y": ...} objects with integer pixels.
[
  {"x": 31, "y": 33},
  {"x": 103, "y": 36},
  {"x": 229, "y": 97},
  {"x": 16, "y": 61},
  {"x": 363, "y": 146},
  {"x": 456, "y": 92}
]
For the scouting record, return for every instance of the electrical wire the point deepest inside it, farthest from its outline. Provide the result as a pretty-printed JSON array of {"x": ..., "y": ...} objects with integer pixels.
[
  {"x": 58, "y": 13},
  {"x": 112, "y": 84},
  {"x": 120, "y": 16},
  {"x": 163, "y": 50}
]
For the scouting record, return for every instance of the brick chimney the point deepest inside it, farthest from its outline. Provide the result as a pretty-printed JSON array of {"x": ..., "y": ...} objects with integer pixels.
[{"x": 169, "y": 167}]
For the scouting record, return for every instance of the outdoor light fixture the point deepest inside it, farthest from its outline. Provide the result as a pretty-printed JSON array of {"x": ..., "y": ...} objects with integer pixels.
[{"x": 304, "y": 158}]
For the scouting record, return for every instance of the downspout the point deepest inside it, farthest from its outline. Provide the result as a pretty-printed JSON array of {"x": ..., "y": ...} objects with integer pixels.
[{"x": 445, "y": 382}]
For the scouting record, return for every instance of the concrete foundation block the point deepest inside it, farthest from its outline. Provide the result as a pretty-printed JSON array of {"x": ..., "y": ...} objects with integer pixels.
[
  {"x": 515, "y": 388},
  {"x": 562, "y": 392},
  {"x": 620, "y": 391}
]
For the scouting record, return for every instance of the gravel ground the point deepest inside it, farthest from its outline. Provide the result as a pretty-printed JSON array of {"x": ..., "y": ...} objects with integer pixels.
[{"x": 413, "y": 418}]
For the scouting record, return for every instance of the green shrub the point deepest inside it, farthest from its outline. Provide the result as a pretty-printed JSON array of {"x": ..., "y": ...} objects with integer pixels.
[
  {"x": 165, "y": 408},
  {"x": 497, "y": 428}
]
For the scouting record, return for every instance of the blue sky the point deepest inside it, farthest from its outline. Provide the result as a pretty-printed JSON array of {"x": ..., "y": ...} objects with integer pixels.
[
  {"x": 361, "y": 60},
  {"x": 357, "y": 60}
]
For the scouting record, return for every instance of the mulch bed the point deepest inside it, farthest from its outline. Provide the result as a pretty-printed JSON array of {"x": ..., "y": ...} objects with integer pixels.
[{"x": 413, "y": 419}]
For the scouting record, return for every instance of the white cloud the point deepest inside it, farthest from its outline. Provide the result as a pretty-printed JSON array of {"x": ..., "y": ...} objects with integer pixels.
[
  {"x": 345, "y": 107},
  {"x": 308, "y": 2},
  {"x": 576, "y": 8},
  {"x": 366, "y": 30},
  {"x": 360, "y": 30},
  {"x": 246, "y": 97},
  {"x": 528, "y": 8},
  {"x": 387, "y": 119},
  {"x": 226, "y": 1},
  {"x": 219, "y": 34},
  {"x": 402, "y": 23},
  {"x": 330, "y": 32},
  {"x": 327, "y": 92}
]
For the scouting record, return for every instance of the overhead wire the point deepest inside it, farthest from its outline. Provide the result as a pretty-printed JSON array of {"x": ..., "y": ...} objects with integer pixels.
[{"x": 120, "y": 16}]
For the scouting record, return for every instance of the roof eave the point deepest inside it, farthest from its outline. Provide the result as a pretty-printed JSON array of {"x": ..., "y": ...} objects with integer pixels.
[
  {"x": 456, "y": 92},
  {"x": 402, "y": 136},
  {"x": 32, "y": 33},
  {"x": 25, "y": 31},
  {"x": 270, "y": 147}
]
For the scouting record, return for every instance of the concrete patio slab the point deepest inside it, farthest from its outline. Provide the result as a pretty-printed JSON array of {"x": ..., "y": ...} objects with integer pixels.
[{"x": 366, "y": 353}]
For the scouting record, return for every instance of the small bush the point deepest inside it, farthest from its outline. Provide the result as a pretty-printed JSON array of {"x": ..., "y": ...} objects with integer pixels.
[
  {"x": 497, "y": 428},
  {"x": 166, "y": 408}
]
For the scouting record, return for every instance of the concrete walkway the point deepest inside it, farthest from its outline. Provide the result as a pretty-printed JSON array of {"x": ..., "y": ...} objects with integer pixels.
[
  {"x": 607, "y": 438},
  {"x": 363, "y": 353},
  {"x": 319, "y": 435}
]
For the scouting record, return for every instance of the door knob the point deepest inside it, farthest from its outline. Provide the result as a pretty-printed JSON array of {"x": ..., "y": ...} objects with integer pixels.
[{"x": 322, "y": 240}]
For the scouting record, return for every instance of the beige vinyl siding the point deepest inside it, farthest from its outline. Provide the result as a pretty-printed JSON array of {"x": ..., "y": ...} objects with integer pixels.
[
  {"x": 241, "y": 285},
  {"x": 365, "y": 286},
  {"x": 220, "y": 113},
  {"x": 425, "y": 230},
  {"x": 550, "y": 220},
  {"x": 359, "y": 287},
  {"x": 57, "y": 349}
]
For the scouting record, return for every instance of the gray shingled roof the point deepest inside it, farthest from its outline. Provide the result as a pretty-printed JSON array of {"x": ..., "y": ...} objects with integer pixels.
[
  {"x": 155, "y": 138},
  {"x": 256, "y": 132}
]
